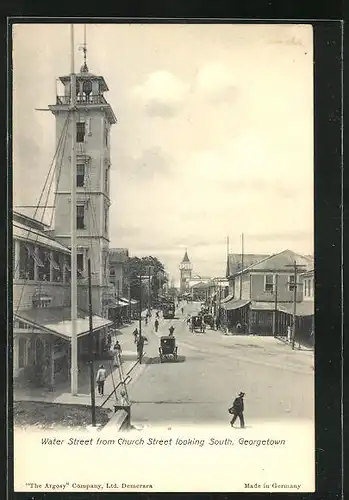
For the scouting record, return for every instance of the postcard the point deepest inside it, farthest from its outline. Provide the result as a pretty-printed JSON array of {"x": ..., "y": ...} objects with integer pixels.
[{"x": 163, "y": 261}]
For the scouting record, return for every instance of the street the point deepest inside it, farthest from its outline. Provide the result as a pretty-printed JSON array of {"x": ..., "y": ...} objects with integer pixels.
[{"x": 211, "y": 369}]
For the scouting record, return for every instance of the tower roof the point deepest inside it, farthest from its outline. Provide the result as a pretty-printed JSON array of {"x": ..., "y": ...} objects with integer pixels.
[{"x": 186, "y": 258}]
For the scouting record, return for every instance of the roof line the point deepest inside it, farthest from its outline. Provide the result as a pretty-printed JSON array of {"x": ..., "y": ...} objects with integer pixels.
[{"x": 269, "y": 257}]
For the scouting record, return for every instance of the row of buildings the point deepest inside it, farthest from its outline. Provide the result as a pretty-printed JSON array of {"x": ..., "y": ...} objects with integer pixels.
[
  {"x": 41, "y": 253},
  {"x": 262, "y": 293}
]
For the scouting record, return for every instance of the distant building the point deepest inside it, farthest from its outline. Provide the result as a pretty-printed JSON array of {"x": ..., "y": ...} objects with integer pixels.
[
  {"x": 118, "y": 258},
  {"x": 185, "y": 273},
  {"x": 256, "y": 289}
]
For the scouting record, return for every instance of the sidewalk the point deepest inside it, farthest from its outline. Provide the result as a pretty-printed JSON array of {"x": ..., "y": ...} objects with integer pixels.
[{"x": 61, "y": 393}]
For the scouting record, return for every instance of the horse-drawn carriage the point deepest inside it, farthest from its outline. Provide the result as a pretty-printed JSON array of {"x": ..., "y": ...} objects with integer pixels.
[
  {"x": 197, "y": 324},
  {"x": 168, "y": 348}
]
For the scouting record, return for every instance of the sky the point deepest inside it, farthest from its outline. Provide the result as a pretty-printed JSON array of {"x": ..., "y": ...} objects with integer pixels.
[{"x": 214, "y": 134}]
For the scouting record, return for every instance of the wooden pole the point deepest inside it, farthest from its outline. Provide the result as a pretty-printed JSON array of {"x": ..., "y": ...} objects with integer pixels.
[
  {"x": 92, "y": 376},
  {"x": 294, "y": 305},
  {"x": 140, "y": 305},
  {"x": 275, "y": 305},
  {"x": 242, "y": 262},
  {"x": 149, "y": 286},
  {"x": 74, "y": 339}
]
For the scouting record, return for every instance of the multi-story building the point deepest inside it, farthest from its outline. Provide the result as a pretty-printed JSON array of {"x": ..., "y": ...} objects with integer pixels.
[
  {"x": 118, "y": 258},
  {"x": 41, "y": 307},
  {"x": 263, "y": 287},
  {"x": 94, "y": 118}
]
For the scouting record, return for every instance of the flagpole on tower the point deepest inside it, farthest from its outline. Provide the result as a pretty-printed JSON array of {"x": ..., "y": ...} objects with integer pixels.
[{"x": 74, "y": 339}]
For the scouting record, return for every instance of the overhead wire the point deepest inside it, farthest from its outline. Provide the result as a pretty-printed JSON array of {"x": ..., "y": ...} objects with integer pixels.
[
  {"x": 30, "y": 230},
  {"x": 58, "y": 147}
]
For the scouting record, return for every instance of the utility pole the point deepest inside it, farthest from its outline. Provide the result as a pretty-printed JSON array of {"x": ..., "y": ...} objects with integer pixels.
[
  {"x": 149, "y": 285},
  {"x": 74, "y": 337},
  {"x": 118, "y": 299},
  {"x": 295, "y": 267},
  {"x": 140, "y": 305},
  {"x": 129, "y": 300},
  {"x": 92, "y": 376},
  {"x": 275, "y": 305},
  {"x": 242, "y": 262}
]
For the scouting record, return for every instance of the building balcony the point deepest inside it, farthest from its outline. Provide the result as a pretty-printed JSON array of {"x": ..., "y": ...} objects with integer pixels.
[{"x": 91, "y": 99}]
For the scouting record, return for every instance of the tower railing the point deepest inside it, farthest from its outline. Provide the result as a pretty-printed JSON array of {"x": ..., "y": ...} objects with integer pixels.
[{"x": 81, "y": 99}]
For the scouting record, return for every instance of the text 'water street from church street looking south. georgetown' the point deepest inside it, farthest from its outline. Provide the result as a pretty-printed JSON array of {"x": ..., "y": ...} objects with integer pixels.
[{"x": 163, "y": 268}]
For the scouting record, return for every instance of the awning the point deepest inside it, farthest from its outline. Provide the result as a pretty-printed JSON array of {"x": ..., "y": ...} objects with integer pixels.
[
  {"x": 122, "y": 299},
  {"x": 134, "y": 301},
  {"x": 57, "y": 320},
  {"x": 30, "y": 235},
  {"x": 235, "y": 304},
  {"x": 227, "y": 299},
  {"x": 305, "y": 308},
  {"x": 262, "y": 306},
  {"x": 115, "y": 303}
]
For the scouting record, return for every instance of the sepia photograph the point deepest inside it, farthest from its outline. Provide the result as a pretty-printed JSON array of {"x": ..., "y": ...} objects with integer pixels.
[{"x": 163, "y": 255}]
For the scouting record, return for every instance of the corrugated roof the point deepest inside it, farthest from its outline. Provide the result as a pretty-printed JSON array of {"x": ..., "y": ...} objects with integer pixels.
[
  {"x": 281, "y": 262},
  {"x": 227, "y": 299},
  {"x": 30, "y": 235},
  {"x": 235, "y": 304},
  {"x": 305, "y": 308},
  {"x": 262, "y": 306},
  {"x": 57, "y": 320}
]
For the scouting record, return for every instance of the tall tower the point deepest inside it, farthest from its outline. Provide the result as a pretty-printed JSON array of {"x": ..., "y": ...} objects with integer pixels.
[
  {"x": 185, "y": 271},
  {"x": 94, "y": 117}
]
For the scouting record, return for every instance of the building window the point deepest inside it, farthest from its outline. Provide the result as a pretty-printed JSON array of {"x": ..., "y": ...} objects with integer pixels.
[
  {"x": 22, "y": 348},
  {"x": 269, "y": 283},
  {"x": 80, "y": 217},
  {"x": 80, "y": 132},
  {"x": 106, "y": 136},
  {"x": 57, "y": 267},
  {"x": 106, "y": 175},
  {"x": 80, "y": 175},
  {"x": 106, "y": 220},
  {"x": 26, "y": 262},
  {"x": 44, "y": 269},
  {"x": 291, "y": 284},
  {"x": 80, "y": 264}
]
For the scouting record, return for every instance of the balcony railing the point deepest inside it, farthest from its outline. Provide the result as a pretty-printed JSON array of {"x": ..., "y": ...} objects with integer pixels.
[{"x": 92, "y": 99}]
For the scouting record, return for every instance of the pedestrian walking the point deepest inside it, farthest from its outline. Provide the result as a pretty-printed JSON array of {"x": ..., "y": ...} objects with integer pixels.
[
  {"x": 157, "y": 315},
  {"x": 135, "y": 334},
  {"x": 171, "y": 329},
  {"x": 156, "y": 324},
  {"x": 100, "y": 379},
  {"x": 109, "y": 340},
  {"x": 182, "y": 309},
  {"x": 237, "y": 410},
  {"x": 146, "y": 319},
  {"x": 140, "y": 345},
  {"x": 117, "y": 353}
]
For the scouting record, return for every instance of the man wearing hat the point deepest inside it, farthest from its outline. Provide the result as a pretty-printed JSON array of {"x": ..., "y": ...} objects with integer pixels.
[{"x": 237, "y": 410}]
